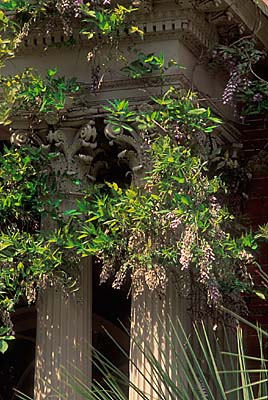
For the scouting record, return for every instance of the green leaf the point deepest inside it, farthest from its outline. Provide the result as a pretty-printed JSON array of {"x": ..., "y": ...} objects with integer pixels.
[
  {"x": 3, "y": 346},
  {"x": 216, "y": 120},
  {"x": 52, "y": 72},
  {"x": 185, "y": 200},
  {"x": 197, "y": 111},
  {"x": 4, "y": 245},
  {"x": 261, "y": 295},
  {"x": 20, "y": 267},
  {"x": 179, "y": 179},
  {"x": 72, "y": 212},
  {"x": 131, "y": 193}
]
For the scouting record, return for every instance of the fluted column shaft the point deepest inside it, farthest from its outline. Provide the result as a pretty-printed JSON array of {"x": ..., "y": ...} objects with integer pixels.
[
  {"x": 63, "y": 339},
  {"x": 150, "y": 324}
]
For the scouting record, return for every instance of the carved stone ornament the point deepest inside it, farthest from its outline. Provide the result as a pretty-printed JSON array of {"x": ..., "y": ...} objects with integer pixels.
[
  {"x": 20, "y": 138},
  {"x": 70, "y": 147},
  {"x": 81, "y": 156},
  {"x": 133, "y": 149},
  {"x": 76, "y": 150}
]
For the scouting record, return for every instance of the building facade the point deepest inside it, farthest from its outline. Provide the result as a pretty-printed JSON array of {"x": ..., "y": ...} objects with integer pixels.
[{"x": 56, "y": 334}]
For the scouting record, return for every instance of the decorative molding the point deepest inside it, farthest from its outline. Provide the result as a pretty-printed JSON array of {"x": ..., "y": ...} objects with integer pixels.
[
  {"x": 179, "y": 20},
  {"x": 77, "y": 149},
  {"x": 250, "y": 17},
  {"x": 86, "y": 152},
  {"x": 186, "y": 24},
  {"x": 197, "y": 23},
  {"x": 144, "y": 85}
]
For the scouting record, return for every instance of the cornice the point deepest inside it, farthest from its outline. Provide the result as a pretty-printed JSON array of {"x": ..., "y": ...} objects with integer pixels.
[
  {"x": 187, "y": 25},
  {"x": 145, "y": 85},
  {"x": 251, "y": 17},
  {"x": 199, "y": 24},
  {"x": 87, "y": 108},
  {"x": 224, "y": 16}
]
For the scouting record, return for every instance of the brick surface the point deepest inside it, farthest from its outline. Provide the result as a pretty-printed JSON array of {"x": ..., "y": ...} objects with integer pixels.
[{"x": 255, "y": 138}]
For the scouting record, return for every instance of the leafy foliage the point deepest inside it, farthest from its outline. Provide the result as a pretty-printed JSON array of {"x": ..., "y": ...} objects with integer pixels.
[
  {"x": 29, "y": 256},
  {"x": 244, "y": 88},
  {"x": 173, "y": 220},
  {"x": 174, "y": 110},
  {"x": 28, "y": 90},
  {"x": 4, "y": 338},
  {"x": 26, "y": 256},
  {"x": 107, "y": 21},
  {"x": 203, "y": 365},
  {"x": 146, "y": 64}
]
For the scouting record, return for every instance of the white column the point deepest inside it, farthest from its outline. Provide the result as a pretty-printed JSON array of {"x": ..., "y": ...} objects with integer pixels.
[
  {"x": 150, "y": 323},
  {"x": 64, "y": 330}
]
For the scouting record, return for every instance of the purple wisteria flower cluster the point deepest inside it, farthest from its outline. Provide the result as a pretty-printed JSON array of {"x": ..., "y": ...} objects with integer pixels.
[{"x": 245, "y": 90}]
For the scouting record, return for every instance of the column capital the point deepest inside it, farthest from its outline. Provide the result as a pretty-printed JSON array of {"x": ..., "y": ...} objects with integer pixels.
[{"x": 86, "y": 146}]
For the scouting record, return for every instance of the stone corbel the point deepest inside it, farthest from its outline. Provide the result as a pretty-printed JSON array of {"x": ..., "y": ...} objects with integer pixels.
[
  {"x": 76, "y": 151},
  {"x": 132, "y": 149}
]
